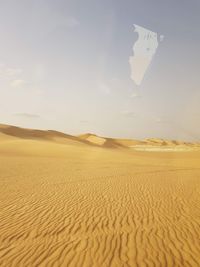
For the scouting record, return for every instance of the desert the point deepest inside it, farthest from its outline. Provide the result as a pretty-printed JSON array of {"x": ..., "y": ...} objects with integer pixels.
[{"x": 95, "y": 201}]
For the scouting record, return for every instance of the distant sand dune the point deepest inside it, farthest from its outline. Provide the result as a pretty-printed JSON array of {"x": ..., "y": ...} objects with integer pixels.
[
  {"x": 88, "y": 138},
  {"x": 66, "y": 202},
  {"x": 103, "y": 141}
]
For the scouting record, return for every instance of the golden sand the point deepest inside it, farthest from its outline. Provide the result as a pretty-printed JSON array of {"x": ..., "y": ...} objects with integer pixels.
[{"x": 66, "y": 202}]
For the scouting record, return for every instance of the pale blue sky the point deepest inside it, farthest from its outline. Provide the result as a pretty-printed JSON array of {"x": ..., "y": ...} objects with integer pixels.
[{"x": 64, "y": 65}]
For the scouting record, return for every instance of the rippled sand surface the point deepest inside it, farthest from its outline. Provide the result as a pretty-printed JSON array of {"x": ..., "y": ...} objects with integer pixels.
[{"x": 70, "y": 204}]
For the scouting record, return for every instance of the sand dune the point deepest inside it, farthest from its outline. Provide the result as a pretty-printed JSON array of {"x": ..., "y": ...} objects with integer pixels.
[
  {"x": 7, "y": 131},
  {"x": 48, "y": 135},
  {"x": 92, "y": 201},
  {"x": 130, "y": 143},
  {"x": 110, "y": 142},
  {"x": 164, "y": 142}
]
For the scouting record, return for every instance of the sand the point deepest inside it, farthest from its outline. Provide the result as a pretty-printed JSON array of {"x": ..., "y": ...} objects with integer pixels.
[{"x": 65, "y": 202}]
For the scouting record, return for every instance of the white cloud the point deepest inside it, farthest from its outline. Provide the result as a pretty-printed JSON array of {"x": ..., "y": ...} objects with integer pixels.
[
  {"x": 27, "y": 115},
  {"x": 8, "y": 72},
  {"x": 18, "y": 83}
]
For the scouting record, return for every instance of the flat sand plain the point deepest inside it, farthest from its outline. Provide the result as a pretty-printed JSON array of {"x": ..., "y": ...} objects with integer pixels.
[{"x": 68, "y": 203}]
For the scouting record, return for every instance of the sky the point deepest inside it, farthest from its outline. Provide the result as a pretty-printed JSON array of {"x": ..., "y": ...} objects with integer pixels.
[{"x": 65, "y": 65}]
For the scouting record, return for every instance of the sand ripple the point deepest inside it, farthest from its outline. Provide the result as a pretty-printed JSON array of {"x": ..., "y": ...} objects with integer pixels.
[{"x": 100, "y": 208}]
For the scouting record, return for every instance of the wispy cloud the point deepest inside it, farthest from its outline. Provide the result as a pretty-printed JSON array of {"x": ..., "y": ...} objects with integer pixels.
[
  {"x": 27, "y": 115},
  {"x": 12, "y": 76},
  {"x": 135, "y": 95},
  {"x": 8, "y": 72},
  {"x": 18, "y": 83}
]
